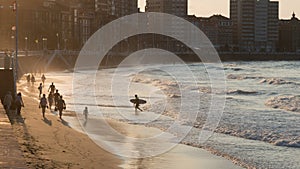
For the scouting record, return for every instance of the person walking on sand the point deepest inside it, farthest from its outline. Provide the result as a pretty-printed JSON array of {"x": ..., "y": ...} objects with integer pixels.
[
  {"x": 19, "y": 103},
  {"x": 43, "y": 104},
  {"x": 28, "y": 78},
  {"x": 85, "y": 113},
  {"x": 43, "y": 78},
  {"x": 32, "y": 80},
  {"x": 61, "y": 105},
  {"x": 56, "y": 96},
  {"x": 7, "y": 101},
  {"x": 51, "y": 88},
  {"x": 50, "y": 100},
  {"x": 137, "y": 104},
  {"x": 40, "y": 88}
]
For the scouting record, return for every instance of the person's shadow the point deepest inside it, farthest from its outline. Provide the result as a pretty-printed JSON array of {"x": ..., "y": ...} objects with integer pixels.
[{"x": 47, "y": 121}]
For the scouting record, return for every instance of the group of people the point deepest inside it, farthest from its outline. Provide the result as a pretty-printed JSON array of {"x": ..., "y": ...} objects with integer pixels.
[
  {"x": 8, "y": 101},
  {"x": 54, "y": 98},
  {"x": 31, "y": 78}
]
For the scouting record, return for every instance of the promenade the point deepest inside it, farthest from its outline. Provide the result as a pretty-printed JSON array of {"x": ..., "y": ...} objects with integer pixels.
[{"x": 10, "y": 154}]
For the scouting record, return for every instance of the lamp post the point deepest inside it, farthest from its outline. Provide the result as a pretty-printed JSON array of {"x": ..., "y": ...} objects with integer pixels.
[
  {"x": 65, "y": 44},
  {"x": 37, "y": 44},
  {"x": 44, "y": 43},
  {"x": 26, "y": 45},
  {"x": 15, "y": 9},
  {"x": 57, "y": 35}
]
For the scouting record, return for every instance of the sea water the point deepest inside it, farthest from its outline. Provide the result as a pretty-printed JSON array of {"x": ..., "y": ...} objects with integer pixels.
[{"x": 260, "y": 124}]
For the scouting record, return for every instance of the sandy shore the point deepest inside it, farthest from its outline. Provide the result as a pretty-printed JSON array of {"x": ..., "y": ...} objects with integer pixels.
[{"x": 51, "y": 143}]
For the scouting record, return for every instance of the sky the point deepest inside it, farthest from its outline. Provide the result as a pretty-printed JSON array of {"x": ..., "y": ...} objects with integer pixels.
[{"x": 207, "y": 8}]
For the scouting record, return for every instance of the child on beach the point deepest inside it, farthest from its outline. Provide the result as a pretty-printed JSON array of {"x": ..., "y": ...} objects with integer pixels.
[
  {"x": 43, "y": 104},
  {"x": 85, "y": 113}
]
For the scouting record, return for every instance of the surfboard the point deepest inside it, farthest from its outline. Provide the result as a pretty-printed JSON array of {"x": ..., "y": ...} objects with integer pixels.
[{"x": 141, "y": 101}]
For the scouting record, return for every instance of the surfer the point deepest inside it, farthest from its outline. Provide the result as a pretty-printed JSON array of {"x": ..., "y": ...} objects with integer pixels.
[{"x": 137, "y": 103}]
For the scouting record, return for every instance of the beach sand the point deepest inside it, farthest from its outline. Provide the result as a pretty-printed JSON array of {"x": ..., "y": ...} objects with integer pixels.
[{"x": 51, "y": 143}]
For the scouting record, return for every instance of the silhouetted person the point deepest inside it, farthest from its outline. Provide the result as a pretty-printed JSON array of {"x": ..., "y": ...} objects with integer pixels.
[
  {"x": 85, "y": 113},
  {"x": 7, "y": 101},
  {"x": 50, "y": 100},
  {"x": 43, "y": 104},
  {"x": 61, "y": 105},
  {"x": 28, "y": 78},
  {"x": 40, "y": 88},
  {"x": 32, "y": 79},
  {"x": 43, "y": 78},
  {"x": 137, "y": 104},
  {"x": 56, "y": 96},
  {"x": 19, "y": 103},
  {"x": 51, "y": 88}
]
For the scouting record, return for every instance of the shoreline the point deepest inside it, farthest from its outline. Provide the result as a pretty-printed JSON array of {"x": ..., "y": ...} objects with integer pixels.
[{"x": 43, "y": 144}]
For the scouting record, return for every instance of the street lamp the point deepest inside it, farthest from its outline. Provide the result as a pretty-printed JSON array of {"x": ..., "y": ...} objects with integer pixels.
[
  {"x": 57, "y": 35},
  {"x": 37, "y": 44},
  {"x": 26, "y": 45},
  {"x": 44, "y": 43},
  {"x": 65, "y": 40}
]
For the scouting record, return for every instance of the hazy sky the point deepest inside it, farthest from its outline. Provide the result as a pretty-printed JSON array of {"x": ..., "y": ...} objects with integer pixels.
[{"x": 210, "y": 7}]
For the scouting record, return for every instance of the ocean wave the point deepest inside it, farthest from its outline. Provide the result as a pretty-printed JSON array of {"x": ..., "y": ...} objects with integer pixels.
[
  {"x": 289, "y": 103},
  {"x": 288, "y": 143},
  {"x": 275, "y": 81},
  {"x": 241, "y": 77},
  {"x": 242, "y": 92}
]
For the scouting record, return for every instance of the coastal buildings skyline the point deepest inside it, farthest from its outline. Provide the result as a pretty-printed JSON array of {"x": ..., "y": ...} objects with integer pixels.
[
  {"x": 253, "y": 26},
  {"x": 207, "y": 8}
]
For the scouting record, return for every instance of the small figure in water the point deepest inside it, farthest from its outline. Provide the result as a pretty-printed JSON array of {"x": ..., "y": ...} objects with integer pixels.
[
  {"x": 43, "y": 78},
  {"x": 50, "y": 100},
  {"x": 137, "y": 104},
  {"x": 40, "y": 88},
  {"x": 85, "y": 113},
  {"x": 28, "y": 78},
  {"x": 43, "y": 104},
  {"x": 51, "y": 88},
  {"x": 61, "y": 105},
  {"x": 19, "y": 103},
  {"x": 32, "y": 80}
]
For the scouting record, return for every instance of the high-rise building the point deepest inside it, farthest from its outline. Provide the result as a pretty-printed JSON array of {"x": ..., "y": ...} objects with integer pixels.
[
  {"x": 109, "y": 10},
  {"x": 255, "y": 24},
  {"x": 174, "y": 7},
  {"x": 289, "y": 34}
]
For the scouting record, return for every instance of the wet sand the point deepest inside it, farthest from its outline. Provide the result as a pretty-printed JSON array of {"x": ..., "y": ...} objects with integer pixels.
[{"x": 52, "y": 143}]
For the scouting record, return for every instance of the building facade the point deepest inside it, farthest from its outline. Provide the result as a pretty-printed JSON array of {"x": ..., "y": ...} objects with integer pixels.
[
  {"x": 218, "y": 29},
  {"x": 289, "y": 35},
  {"x": 174, "y": 7},
  {"x": 255, "y": 25}
]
